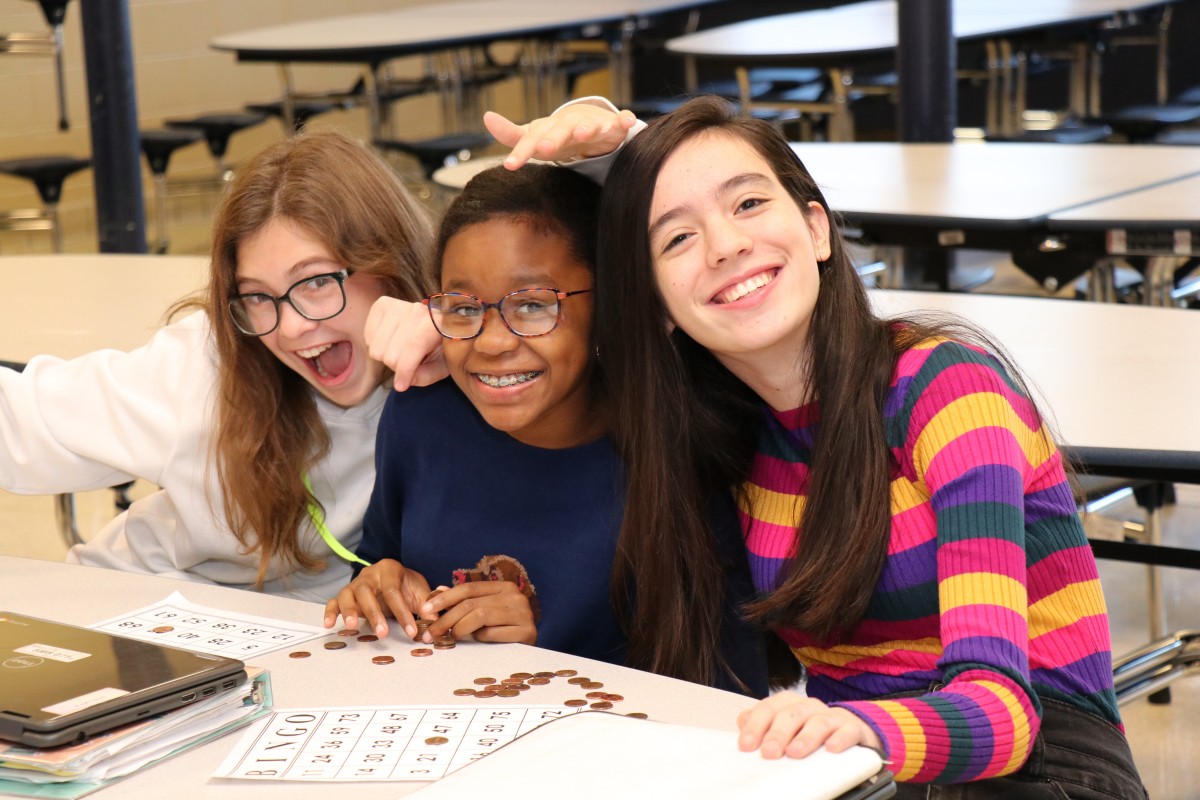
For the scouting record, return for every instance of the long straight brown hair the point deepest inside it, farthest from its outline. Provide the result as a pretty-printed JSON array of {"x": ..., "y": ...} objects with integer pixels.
[
  {"x": 688, "y": 427},
  {"x": 268, "y": 430}
]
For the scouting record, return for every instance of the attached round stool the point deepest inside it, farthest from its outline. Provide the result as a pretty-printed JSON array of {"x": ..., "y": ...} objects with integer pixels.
[
  {"x": 1071, "y": 133},
  {"x": 47, "y": 173},
  {"x": 217, "y": 128},
  {"x": 302, "y": 111},
  {"x": 1142, "y": 123},
  {"x": 158, "y": 145},
  {"x": 439, "y": 151}
]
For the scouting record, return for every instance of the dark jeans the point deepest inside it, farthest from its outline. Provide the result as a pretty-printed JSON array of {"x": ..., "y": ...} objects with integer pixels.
[{"x": 1076, "y": 756}]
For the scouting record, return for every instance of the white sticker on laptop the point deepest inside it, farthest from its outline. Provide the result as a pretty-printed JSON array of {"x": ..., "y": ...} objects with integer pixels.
[
  {"x": 53, "y": 653},
  {"x": 85, "y": 701}
]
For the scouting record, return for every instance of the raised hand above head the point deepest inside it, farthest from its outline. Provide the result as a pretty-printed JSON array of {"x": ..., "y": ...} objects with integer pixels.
[{"x": 586, "y": 128}]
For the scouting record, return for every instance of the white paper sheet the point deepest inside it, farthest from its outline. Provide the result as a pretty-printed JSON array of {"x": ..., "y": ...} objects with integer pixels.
[
  {"x": 176, "y": 622},
  {"x": 599, "y": 756}
]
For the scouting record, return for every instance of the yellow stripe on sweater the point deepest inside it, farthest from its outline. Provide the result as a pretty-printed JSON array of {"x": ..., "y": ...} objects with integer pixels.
[
  {"x": 970, "y": 413},
  {"x": 982, "y": 588},
  {"x": 1065, "y": 607},
  {"x": 774, "y": 508}
]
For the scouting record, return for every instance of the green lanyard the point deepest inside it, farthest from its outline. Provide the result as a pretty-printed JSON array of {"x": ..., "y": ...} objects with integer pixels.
[{"x": 318, "y": 519}]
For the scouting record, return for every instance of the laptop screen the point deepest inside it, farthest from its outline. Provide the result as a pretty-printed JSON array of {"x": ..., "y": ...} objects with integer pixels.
[{"x": 61, "y": 683}]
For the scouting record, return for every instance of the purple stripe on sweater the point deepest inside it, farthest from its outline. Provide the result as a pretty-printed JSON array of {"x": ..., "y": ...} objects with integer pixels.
[
  {"x": 764, "y": 572},
  {"x": 869, "y": 686},
  {"x": 914, "y": 566},
  {"x": 1051, "y": 502},
  {"x": 986, "y": 483},
  {"x": 896, "y": 397},
  {"x": 985, "y": 650},
  {"x": 1088, "y": 675}
]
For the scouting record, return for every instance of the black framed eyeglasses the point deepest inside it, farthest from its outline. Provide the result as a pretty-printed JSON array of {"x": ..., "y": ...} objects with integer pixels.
[
  {"x": 526, "y": 312},
  {"x": 316, "y": 298}
]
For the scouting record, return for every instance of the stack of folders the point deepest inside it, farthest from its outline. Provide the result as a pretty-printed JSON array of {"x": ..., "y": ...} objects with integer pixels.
[{"x": 74, "y": 770}]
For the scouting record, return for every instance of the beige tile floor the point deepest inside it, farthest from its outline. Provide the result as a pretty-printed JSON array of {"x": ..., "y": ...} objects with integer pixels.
[{"x": 1165, "y": 739}]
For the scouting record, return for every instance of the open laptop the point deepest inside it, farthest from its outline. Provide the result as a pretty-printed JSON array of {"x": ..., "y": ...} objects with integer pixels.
[{"x": 61, "y": 684}]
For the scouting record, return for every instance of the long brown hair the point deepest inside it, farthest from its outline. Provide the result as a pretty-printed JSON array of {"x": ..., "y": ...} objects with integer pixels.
[
  {"x": 688, "y": 427},
  {"x": 268, "y": 431}
]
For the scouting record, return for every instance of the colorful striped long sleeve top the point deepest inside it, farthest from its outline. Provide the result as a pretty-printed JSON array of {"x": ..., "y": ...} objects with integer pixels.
[{"x": 989, "y": 596}]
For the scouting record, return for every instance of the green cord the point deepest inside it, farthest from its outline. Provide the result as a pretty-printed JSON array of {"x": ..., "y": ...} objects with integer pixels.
[{"x": 318, "y": 519}]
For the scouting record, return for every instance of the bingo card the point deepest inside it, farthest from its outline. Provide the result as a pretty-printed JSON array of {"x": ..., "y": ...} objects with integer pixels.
[
  {"x": 398, "y": 743},
  {"x": 176, "y": 622}
]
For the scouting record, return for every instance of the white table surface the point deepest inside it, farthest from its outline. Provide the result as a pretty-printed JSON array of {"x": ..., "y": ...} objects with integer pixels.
[
  {"x": 68, "y": 305},
  {"x": 85, "y": 595},
  {"x": 870, "y": 26},
  {"x": 1174, "y": 204},
  {"x": 429, "y": 26},
  {"x": 1112, "y": 376},
  {"x": 993, "y": 184},
  {"x": 1000, "y": 185}
]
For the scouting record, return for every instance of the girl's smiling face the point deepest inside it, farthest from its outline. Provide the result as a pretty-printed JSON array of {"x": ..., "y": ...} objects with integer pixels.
[
  {"x": 330, "y": 354},
  {"x": 536, "y": 389},
  {"x": 735, "y": 258}
]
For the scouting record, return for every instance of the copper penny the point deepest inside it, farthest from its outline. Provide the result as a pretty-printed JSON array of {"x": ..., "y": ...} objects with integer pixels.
[
  {"x": 511, "y": 681},
  {"x": 594, "y": 695},
  {"x": 575, "y": 703},
  {"x": 507, "y": 692},
  {"x": 577, "y": 681},
  {"x": 420, "y": 651},
  {"x": 368, "y": 637},
  {"x": 601, "y": 705},
  {"x": 522, "y": 687},
  {"x": 464, "y": 692},
  {"x": 443, "y": 645},
  {"x": 334, "y": 645},
  {"x": 612, "y": 698},
  {"x": 535, "y": 681},
  {"x": 637, "y": 715},
  {"x": 299, "y": 654},
  {"x": 521, "y": 676},
  {"x": 543, "y": 674},
  {"x": 565, "y": 673},
  {"x": 382, "y": 660},
  {"x": 591, "y": 685},
  {"x": 436, "y": 740},
  {"x": 163, "y": 629},
  {"x": 486, "y": 693},
  {"x": 348, "y": 632},
  {"x": 484, "y": 681}
]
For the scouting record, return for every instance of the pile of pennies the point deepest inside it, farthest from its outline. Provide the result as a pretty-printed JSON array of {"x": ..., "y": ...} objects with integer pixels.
[
  {"x": 519, "y": 682},
  {"x": 443, "y": 642},
  {"x": 512, "y": 686}
]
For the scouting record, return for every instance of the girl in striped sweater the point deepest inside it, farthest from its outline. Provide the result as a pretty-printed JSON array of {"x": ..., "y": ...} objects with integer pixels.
[{"x": 912, "y": 533}]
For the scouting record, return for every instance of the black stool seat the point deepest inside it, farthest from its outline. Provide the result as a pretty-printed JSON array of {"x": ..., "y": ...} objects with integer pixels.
[
  {"x": 1144, "y": 122},
  {"x": 302, "y": 110},
  {"x": 435, "y": 153},
  {"x": 158, "y": 144},
  {"x": 217, "y": 128},
  {"x": 1182, "y": 136},
  {"x": 46, "y": 172},
  {"x": 579, "y": 65},
  {"x": 55, "y": 11},
  {"x": 1064, "y": 134},
  {"x": 1190, "y": 95}
]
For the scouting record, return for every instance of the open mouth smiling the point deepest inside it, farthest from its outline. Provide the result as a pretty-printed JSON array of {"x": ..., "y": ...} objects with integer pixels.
[
  {"x": 741, "y": 289},
  {"x": 329, "y": 361}
]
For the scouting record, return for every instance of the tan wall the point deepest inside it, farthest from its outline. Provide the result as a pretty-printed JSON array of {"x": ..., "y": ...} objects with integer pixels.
[{"x": 177, "y": 75}]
